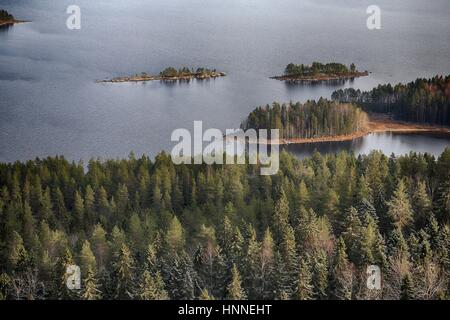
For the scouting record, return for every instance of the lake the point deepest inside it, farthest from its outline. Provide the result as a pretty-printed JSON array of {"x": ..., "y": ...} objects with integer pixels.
[
  {"x": 50, "y": 103},
  {"x": 389, "y": 143}
]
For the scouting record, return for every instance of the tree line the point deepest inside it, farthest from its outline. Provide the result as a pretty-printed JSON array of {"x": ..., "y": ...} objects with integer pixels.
[
  {"x": 423, "y": 100},
  {"x": 147, "y": 229},
  {"x": 316, "y": 67},
  {"x": 308, "y": 120},
  {"x": 172, "y": 72},
  {"x": 5, "y": 15}
]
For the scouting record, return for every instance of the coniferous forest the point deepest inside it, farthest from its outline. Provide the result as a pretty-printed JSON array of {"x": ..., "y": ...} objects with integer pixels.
[
  {"x": 309, "y": 120},
  {"x": 147, "y": 229},
  {"x": 423, "y": 100},
  {"x": 317, "y": 67}
]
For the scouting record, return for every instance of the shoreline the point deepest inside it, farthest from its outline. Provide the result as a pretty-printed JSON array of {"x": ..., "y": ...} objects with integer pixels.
[
  {"x": 12, "y": 22},
  {"x": 376, "y": 124},
  {"x": 144, "y": 78},
  {"x": 321, "y": 77}
]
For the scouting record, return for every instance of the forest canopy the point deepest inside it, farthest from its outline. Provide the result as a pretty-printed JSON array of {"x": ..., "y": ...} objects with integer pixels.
[
  {"x": 147, "y": 229},
  {"x": 316, "y": 68},
  {"x": 172, "y": 72},
  {"x": 423, "y": 100},
  {"x": 308, "y": 120},
  {"x": 5, "y": 15}
]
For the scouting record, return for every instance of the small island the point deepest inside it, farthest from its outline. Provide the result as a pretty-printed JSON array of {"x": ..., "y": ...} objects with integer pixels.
[
  {"x": 319, "y": 72},
  {"x": 170, "y": 74},
  {"x": 7, "y": 19}
]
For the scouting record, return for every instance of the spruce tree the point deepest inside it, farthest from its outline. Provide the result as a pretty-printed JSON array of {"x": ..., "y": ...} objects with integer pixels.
[
  {"x": 91, "y": 287},
  {"x": 174, "y": 237},
  {"x": 304, "y": 282},
  {"x": 266, "y": 266},
  {"x": 406, "y": 288},
  {"x": 152, "y": 287},
  {"x": 341, "y": 274},
  {"x": 87, "y": 259},
  {"x": 234, "y": 288},
  {"x": 399, "y": 207},
  {"x": 124, "y": 274},
  {"x": 421, "y": 204},
  {"x": 205, "y": 295},
  {"x": 320, "y": 274}
]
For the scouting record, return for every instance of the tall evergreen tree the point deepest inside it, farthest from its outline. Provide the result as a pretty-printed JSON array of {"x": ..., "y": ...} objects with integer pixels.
[
  {"x": 399, "y": 207},
  {"x": 304, "y": 283},
  {"x": 234, "y": 289},
  {"x": 341, "y": 277}
]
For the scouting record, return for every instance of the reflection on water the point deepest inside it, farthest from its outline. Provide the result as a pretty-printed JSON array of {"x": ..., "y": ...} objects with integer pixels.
[
  {"x": 387, "y": 142},
  {"x": 5, "y": 27}
]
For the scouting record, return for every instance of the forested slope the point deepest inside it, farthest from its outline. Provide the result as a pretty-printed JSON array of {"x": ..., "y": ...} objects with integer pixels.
[{"x": 143, "y": 229}]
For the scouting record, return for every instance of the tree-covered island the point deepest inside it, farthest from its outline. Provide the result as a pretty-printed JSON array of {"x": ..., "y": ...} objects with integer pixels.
[
  {"x": 319, "y": 72},
  {"x": 7, "y": 19},
  {"x": 171, "y": 74}
]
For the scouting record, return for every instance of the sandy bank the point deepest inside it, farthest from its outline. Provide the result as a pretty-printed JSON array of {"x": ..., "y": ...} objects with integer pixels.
[{"x": 377, "y": 124}]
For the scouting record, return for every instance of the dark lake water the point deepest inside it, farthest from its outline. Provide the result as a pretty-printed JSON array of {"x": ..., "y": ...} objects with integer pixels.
[
  {"x": 389, "y": 143},
  {"x": 50, "y": 103}
]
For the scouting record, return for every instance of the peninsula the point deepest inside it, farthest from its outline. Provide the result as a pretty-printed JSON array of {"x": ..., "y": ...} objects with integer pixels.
[
  {"x": 7, "y": 19},
  {"x": 325, "y": 121},
  {"x": 170, "y": 74},
  {"x": 319, "y": 72}
]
